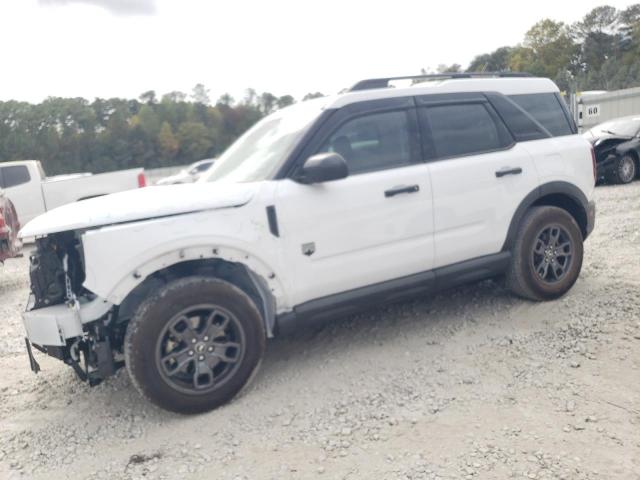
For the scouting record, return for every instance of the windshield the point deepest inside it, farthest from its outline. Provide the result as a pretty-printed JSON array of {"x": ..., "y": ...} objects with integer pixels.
[
  {"x": 627, "y": 127},
  {"x": 257, "y": 153}
]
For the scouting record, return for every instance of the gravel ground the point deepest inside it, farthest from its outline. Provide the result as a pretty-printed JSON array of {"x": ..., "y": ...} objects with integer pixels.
[{"x": 470, "y": 384}]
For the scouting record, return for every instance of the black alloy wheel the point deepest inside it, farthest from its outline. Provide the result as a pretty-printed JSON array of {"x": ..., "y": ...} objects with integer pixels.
[
  {"x": 546, "y": 255},
  {"x": 552, "y": 253},
  {"x": 194, "y": 344},
  {"x": 199, "y": 348}
]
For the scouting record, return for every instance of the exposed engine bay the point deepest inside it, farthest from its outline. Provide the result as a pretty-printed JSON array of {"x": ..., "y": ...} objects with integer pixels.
[
  {"x": 57, "y": 273},
  {"x": 56, "y": 270}
]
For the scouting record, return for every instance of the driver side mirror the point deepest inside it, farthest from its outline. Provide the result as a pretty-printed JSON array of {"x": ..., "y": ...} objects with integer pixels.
[{"x": 323, "y": 167}]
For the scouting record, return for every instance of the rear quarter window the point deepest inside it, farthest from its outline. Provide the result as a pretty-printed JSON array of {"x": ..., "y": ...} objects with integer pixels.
[
  {"x": 546, "y": 109},
  {"x": 521, "y": 123}
]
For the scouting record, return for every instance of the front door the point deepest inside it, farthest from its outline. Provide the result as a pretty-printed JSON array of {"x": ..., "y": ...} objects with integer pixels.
[{"x": 376, "y": 224}]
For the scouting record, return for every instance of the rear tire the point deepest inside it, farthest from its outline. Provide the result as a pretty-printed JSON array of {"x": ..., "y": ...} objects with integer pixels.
[
  {"x": 547, "y": 254},
  {"x": 194, "y": 344},
  {"x": 624, "y": 170}
]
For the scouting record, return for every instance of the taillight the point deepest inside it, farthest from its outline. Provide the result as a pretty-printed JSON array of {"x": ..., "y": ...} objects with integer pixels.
[
  {"x": 593, "y": 163},
  {"x": 142, "y": 181},
  {"x": 2, "y": 222}
]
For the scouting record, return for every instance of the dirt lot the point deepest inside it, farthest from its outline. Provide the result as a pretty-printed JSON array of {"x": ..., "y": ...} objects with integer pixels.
[{"x": 469, "y": 384}]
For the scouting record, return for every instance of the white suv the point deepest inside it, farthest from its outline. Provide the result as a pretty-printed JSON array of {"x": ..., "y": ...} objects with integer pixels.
[{"x": 321, "y": 208}]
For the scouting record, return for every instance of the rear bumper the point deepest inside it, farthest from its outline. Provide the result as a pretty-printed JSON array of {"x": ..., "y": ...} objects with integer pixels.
[{"x": 591, "y": 217}]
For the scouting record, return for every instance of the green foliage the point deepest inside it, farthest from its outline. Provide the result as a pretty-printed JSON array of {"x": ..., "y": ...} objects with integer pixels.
[
  {"x": 168, "y": 143},
  {"x": 226, "y": 99},
  {"x": 453, "y": 68},
  {"x": 601, "y": 52},
  {"x": 148, "y": 97},
  {"x": 548, "y": 51},
  {"x": 267, "y": 103},
  {"x": 285, "y": 101},
  {"x": 195, "y": 140},
  {"x": 201, "y": 94},
  {"x": 312, "y": 95},
  {"x": 72, "y": 134},
  {"x": 496, "y": 61}
]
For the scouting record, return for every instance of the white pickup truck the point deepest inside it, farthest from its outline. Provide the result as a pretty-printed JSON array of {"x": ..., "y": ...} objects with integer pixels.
[{"x": 32, "y": 193}]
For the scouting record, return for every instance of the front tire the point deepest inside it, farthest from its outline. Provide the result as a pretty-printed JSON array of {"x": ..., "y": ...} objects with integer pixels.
[
  {"x": 194, "y": 344},
  {"x": 547, "y": 254},
  {"x": 624, "y": 170}
]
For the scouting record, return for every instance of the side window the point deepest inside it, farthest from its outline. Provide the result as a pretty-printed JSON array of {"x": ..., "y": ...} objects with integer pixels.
[
  {"x": 546, "y": 109},
  {"x": 461, "y": 130},
  {"x": 14, "y": 175},
  {"x": 373, "y": 142},
  {"x": 521, "y": 124}
]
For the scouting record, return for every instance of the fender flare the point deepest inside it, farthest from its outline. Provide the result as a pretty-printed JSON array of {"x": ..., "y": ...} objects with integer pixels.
[
  {"x": 559, "y": 188},
  {"x": 265, "y": 280}
]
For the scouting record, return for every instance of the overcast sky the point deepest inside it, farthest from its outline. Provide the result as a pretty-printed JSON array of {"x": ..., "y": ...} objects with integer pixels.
[{"x": 106, "y": 48}]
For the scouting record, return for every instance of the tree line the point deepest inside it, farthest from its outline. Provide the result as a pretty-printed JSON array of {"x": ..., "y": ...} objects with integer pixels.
[
  {"x": 602, "y": 51},
  {"x": 73, "y": 134}
]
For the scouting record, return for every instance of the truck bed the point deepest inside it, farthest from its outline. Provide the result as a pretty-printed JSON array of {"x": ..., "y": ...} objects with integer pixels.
[{"x": 66, "y": 189}]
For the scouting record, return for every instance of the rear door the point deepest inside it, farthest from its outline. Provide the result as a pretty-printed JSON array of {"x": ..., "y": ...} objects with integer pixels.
[
  {"x": 564, "y": 156},
  {"x": 479, "y": 175}
]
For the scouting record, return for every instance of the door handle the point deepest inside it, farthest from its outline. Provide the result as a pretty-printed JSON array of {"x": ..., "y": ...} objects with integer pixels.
[
  {"x": 508, "y": 171},
  {"x": 402, "y": 189}
]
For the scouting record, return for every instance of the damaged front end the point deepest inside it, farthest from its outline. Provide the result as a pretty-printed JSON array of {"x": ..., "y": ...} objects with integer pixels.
[
  {"x": 65, "y": 320},
  {"x": 608, "y": 150}
]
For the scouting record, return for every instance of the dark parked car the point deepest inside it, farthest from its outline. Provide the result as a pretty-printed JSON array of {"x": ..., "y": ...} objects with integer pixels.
[
  {"x": 10, "y": 245},
  {"x": 617, "y": 147}
]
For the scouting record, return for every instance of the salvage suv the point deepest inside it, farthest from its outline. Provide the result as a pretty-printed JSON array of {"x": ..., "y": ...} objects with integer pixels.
[{"x": 320, "y": 209}]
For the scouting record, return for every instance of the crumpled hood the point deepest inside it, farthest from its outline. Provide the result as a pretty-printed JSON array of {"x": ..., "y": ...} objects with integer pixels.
[
  {"x": 607, "y": 138},
  {"x": 139, "y": 204},
  {"x": 604, "y": 146}
]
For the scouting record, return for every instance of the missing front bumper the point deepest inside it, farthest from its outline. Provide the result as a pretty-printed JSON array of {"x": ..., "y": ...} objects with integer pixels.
[
  {"x": 54, "y": 325},
  {"x": 92, "y": 359},
  {"x": 76, "y": 335}
]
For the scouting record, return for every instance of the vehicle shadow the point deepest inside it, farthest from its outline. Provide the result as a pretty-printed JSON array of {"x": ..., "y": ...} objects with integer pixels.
[{"x": 434, "y": 318}]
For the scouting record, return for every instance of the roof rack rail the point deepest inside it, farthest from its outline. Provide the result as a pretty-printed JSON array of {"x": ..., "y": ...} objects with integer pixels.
[{"x": 371, "y": 83}]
